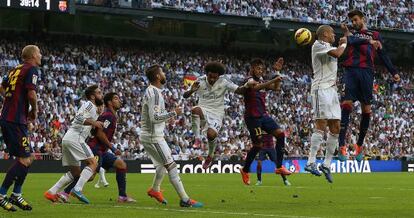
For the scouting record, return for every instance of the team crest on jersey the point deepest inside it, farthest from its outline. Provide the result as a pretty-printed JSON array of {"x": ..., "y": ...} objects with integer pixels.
[{"x": 106, "y": 123}]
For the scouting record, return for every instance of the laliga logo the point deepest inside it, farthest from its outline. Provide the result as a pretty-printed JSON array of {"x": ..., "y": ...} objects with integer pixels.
[
  {"x": 215, "y": 168},
  {"x": 63, "y": 6}
]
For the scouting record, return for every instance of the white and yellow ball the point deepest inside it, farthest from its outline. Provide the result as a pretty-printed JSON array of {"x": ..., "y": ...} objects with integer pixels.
[{"x": 303, "y": 36}]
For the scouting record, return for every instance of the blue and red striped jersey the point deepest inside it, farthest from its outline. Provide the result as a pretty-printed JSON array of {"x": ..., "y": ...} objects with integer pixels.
[
  {"x": 254, "y": 101},
  {"x": 361, "y": 54},
  {"x": 16, "y": 85},
  {"x": 268, "y": 141},
  {"x": 109, "y": 120}
]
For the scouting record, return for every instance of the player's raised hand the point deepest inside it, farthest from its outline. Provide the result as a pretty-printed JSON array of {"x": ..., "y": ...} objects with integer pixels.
[
  {"x": 343, "y": 40},
  {"x": 195, "y": 86},
  {"x": 278, "y": 64},
  {"x": 396, "y": 77},
  {"x": 345, "y": 29},
  {"x": 377, "y": 44},
  {"x": 178, "y": 110},
  {"x": 98, "y": 124}
]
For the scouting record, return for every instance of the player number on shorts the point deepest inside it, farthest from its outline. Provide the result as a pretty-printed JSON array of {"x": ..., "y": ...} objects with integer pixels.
[
  {"x": 258, "y": 131},
  {"x": 25, "y": 141}
]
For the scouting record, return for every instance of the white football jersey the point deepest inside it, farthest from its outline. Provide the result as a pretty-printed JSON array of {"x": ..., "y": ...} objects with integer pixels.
[
  {"x": 211, "y": 98},
  {"x": 78, "y": 132},
  {"x": 325, "y": 67},
  {"x": 153, "y": 115}
]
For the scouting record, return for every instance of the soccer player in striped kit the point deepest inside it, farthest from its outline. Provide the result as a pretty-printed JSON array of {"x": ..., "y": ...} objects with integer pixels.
[{"x": 363, "y": 45}]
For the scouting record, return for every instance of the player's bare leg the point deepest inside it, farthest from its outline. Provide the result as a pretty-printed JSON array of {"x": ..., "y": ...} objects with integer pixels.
[
  {"x": 279, "y": 134},
  {"x": 197, "y": 118},
  {"x": 346, "y": 109},
  {"x": 212, "y": 143}
]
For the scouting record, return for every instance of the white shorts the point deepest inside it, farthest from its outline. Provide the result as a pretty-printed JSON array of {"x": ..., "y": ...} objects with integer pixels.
[
  {"x": 213, "y": 120},
  {"x": 325, "y": 104},
  {"x": 74, "y": 152},
  {"x": 159, "y": 152}
]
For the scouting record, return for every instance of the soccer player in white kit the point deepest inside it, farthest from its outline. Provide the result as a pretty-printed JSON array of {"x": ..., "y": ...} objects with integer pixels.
[
  {"x": 153, "y": 121},
  {"x": 75, "y": 149},
  {"x": 325, "y": 101},
  {"x": 210, "y": 109}
]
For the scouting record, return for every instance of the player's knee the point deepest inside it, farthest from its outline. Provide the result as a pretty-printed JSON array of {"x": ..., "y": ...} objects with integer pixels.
[
  {"x": 170, "y": 166},
  {"x": 196, "y": 110},
  {"x": 26, "y": 161},
  {"x": 347, "y": 105},
  {"x": 121, "y": 165},
  {"x": 211, "y": 134}
]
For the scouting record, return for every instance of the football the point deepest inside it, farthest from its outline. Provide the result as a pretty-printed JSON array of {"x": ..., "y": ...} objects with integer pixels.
[{"x": 303, "y": 36}]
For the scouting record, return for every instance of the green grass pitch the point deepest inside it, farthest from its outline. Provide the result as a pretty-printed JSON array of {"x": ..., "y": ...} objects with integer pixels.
[{"x": 224, "y": 195}]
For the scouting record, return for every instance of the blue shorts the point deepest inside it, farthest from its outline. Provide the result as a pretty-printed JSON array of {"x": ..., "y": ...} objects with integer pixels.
[
  {"x": 359, "y": 83},
  {"x": 269, "y": 152},
  {"x": 15, "y": 137},
  {"x": 105, "y": 160},
  {"x": 257, "y": 125}
]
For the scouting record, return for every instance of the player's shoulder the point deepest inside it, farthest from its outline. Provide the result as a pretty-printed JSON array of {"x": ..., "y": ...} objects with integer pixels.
[{"x": 151, "y": 91}]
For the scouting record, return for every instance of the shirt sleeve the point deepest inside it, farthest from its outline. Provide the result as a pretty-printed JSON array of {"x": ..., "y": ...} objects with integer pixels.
[
  {"x": 353, "y": 40},
  {"x": 320, "y": 49},
  {"x": 31, "y": 79},
  {"x": 157, "y": 115},
  {"x": 230, "y": 86},
  {"x": 84, "y": 112},
  {"x": 382, "y": 54}
]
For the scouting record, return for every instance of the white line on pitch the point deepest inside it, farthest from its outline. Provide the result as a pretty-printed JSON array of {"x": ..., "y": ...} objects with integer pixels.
[{"x": 194, "y": 211}]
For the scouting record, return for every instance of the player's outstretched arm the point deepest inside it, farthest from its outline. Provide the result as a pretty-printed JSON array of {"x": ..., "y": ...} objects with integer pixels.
[
  {"x": 194, "y": 88},
  {"x": 387, "y": 61},
  {"x": 242, "y": 89},
  {"x": 336, "y": 53}
]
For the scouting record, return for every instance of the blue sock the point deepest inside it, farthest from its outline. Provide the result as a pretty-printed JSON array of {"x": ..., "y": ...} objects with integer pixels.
[
  {"x": 121, "y": 180},
  {"x": 9, "y": 179},
  {"x": 250, "y": 157},
  {"x": 71, "y": 185},
  {"x": 345, "y": 113},
  {"x": 363, "y": 128},
  {"x": 21, "y": 174},
  {"x": 280, "y": 147}
]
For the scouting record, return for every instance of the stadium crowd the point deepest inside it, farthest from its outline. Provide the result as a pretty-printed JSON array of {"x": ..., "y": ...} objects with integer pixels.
[
  {"x": 384, "y": 14},
  {"x": 69, "y": 65}
]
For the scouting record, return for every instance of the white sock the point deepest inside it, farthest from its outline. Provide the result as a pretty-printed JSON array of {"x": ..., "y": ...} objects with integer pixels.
[
  {"x": 86, "y": 174},
  {"x": 65, "y": 180},
  {"x": 176, "y": 182},
  {"x": 212, "y": 147},
  {"x": 102, "y": 178},
  {"x": 316, "y": 141},
  {"x": 331, "y": 145},
  {"x": 158, "y": 177},
  {"x": 195, "y": 125}
]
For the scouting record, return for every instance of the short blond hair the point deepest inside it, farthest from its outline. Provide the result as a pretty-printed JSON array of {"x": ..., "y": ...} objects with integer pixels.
[
  {"x": 28, "y": 52},
  {"x": 321, "y": 30}
]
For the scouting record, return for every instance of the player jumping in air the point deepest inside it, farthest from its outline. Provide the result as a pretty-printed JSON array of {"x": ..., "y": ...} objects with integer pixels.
[
  {"x": 325, "y": 101},
  {"x": 257, "y": 118},
  {"x": 363, "y": 44},
  {"x": 210, "y": 109}
]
